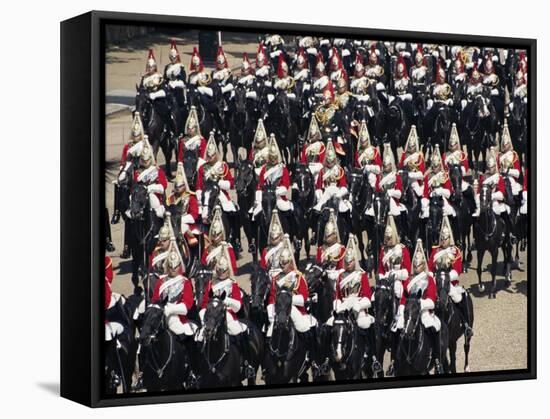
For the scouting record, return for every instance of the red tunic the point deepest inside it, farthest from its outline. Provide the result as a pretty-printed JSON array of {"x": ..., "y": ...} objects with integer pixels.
[
  {"x": 500, "y": 185},
  {"x": 341, "y": 181},
  {"x": 420, "y": 162},
  {"x": 299, "y": 289},
  {"x": 192, "y": 207},
  {"x": 398, "y": 186},
  {"x": 284, "y": 180},
  {"x": 108, "y": 294},
  {"x": 108, "y": 269},
  {"x": 226, "y": 176},
  {"x": 124, "y": 154},
  {"x": 429, "y": 189},
  {"x": 231, "y": 256},
  {"x": 377, "y": 160},
  {"x": 160, "y": 179},
  {"x": 340, "y": 259},
  {"x": 235, "y": 294},
  {"x": 181, "y": 149},
  {"x": 429, "y": 293},
  {"x": 185, "y": 297},
  {"x": 405, "y": 260},
  {"x": 365, "y": 290},
  {"x": 319, "y": 158},
  {"x": 264, "y": 263},
  {"x": 456, "y": 265}
]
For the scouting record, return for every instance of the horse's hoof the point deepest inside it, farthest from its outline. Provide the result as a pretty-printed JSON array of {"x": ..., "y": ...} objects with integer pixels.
[
  {"x": 115, "y": 218},
  {"x": 467, "y": 368},
  {"x": 125, "y": 253},
  {"x": 110, "y": 247},
  {"x": 481, "y": 288}
]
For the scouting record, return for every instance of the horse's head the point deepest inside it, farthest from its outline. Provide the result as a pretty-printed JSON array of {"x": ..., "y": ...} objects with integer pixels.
[
  {"x": 201, "y": 278},
  {"x": 443, "y": 282},
  {"x": 341, "y": 339},
  {"x": 260, "y": 284},
  {"x": 380, "y": 207},
  {"x": 283, "y": 306},
  {"x": 518, "y": 111},
  {"x": 139, "y": 201},
  {"x": 282, "y": 104},
  {"x": 269, "y": 200},
  {"x": 383, "y": 303},
  {"x": 303, "y": 178},
  {"x": 314, "y": 276},
  {"x": 214, "y": 316},
  {"x": 209, "y": 199},
  {"x": 153, "y": 323},
  {"x": 190, "y": 158},
  {"x": 395, "y": 112},
  {"x": 142, "y": 104},
  {"x": 239, "y": 99},
  {"x": 485, "y": 198},
  {"x": 455, "y": 176},
  {"x": 480, "y": 107},
  {"x": 244, "y": 176},
  {"x": 412, "y": 316},
  {"x": 435, "y": 216},
  {"x": 443, "y": 120}
]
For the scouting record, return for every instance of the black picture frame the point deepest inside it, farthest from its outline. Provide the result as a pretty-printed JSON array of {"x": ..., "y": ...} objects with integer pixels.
[{"x": 82, "y": 204}]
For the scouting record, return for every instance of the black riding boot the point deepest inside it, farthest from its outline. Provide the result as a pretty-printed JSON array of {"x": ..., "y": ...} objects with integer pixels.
[
  {"x": 109, "y": 247},
  {"x": 116, "y": 211},
  {"x": 508, "y": 220},
  {"x": 463, "y": 311},
  {"x": 436, "y": 352},
  {"x": 126, "y": 253},
  {"x": 244, "y": 345}
]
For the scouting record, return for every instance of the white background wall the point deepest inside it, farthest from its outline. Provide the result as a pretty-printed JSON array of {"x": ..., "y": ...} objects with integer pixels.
[{"x": 29, "y": 60}]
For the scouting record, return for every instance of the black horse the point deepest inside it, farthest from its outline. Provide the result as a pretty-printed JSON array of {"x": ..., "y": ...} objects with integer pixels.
[
  {"x": 282, "y": 121},
  {"x": 120, "y": 352},
  {"x": 241, "y": 123},
  {"x": 220, "y": 354},
  {"x": 480, "y": 123},
  {"x": 246, "y": 181},
  {"x": 398, "y": 125},
  {"x": 321, "y": 292},
  {"x": 164, "y": 360},
  {"x": 375, "y": 229},
  {"x": 384, "y": 307},
  {"x": 420, "y": 118},
  {"x": 160, "y": 129},
  {"x": 412, "y": 202},
  {"x": 441, "y": 127},
  {"x": 194, "y": 98},
  {"x": 303, "y": 199},
  {"x": 464, "y": 209},
  {"x": 361, "y": 196},
  {"x": 144, "y": 225},
  {"x": 190, "y": 160},
  {"x": 433, "y": 223},
  {"x": 447, "y": 312},
  {"x": 518, "y": 127},
  {"x": 414, "y": 351},
  {"x": 285, "y": 355},
  {"x": 490, "y": 234},
  {"x": 260, "y": 285}
]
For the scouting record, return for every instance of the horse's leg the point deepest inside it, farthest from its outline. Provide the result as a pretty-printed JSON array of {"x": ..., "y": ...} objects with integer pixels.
[
  {"x": 480, "y": 252},
  {"x": 494, "y": 261},
  {"x": 167, "y": 151},
  {"x": 452, "y": 354}
]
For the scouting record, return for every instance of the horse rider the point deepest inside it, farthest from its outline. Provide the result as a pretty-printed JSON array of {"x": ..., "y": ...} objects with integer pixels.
[
  {"x": 375, "y": 73},
  {"x": 153, "y": 177},
  {"x": 359, "y": 82},
  {"x": 412, "y": 158},
  {"x": 216, "y": 170},
  {"x": 437, "y": 183},
  {"x": 520, "y": 81},
  {"x": 217, "y": 244},
  {"x": 495, "y": 180},
  {"x": 524, "y": 199},
  {"x": 394, "y": 260},
  {"x": 331, "y": 182},
  {"x": 291, "y": 279},
  {"x": 202, "y": 81},
  {"x": 192, "y": 138},
  {"x": 446, "y": 257},
  {"x": 420, "y": 74},
  {"x": 247, "y": 79},
  {"x": 113, "y": 327},
  {"x": 422, "y": 281},
  {"x": 223, "y": 282},
  {"x": 333, "y": 124},
  {"x": 184, "y": 202},
  {"x": 510, "y": 167},
  {"x": 301, "y": 74},
  {"x": 136, "y": 136},
  {"x": 492, "y": 82},
  {"x": 175, "y": 75},
  {"x": 441, "y": 92},
  {"x": 177, "y": 291},
  {"x": 262, "y": 72},
  {"x": 330, "y": 255},
  {"x": 402, "y": 87},
  {"x": 259, "y": 151},
  {"x": 474, "y": 87},
  {"x": 159, "y": 254},
  {"x": 353, "y": 292},
  {"x": 458, "y": 78},
  {"x": 153, "y": 82},
  {"x": 309, "y": 45},
  {"x": 283, "y": 82},
  {"x": 367, "y": 156},
  {"x": 313, "y": 151},
  {"x": 320, "y": 78},
  {"x": 269, "y": 260},
  {"x": 222, "y": 78},
  {"x": 274, "y": 172},
  {"x": 391, "y": 184},
  {"x": 456, "y": 156}
]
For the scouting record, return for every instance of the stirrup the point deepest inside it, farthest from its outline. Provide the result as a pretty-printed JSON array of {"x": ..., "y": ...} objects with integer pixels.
[
  {"x": 315, "y": 369},
  {"x": 468, "y": 331},
  {"x": 391, "y": 370},
  {"x": 249, "y": 371},
  {"x": 109, "y": 246},
  {"x": 376, "y": 366},
  {"x": 438, "y": 367},
  {"x": 116, "y": 217}
]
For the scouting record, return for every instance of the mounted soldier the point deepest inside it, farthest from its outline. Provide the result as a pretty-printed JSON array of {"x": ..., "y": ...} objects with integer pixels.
[
  {"x": 184, "y": 205},
  {"x": 284, "y": 82},
  {"x": 259, "y": 152},
  {"x": 391, "y": 184},
  {"x": 222, "y": 81},
  {"x": 367, "y": 156},
  {"x": 375, "y": 73},
  {"x": 359, "y": 82},
  {"x": 437, "y": 183},
  {"x": 313, "y": 151},
  {"x": 192, "y": 139},
  {"x": 247, "y": 79},
  {"x": 402, "y": 87},
  {"x": 456, "y": 156},
  {"x": 223, "y": 281},
  {"x": 217, "y": 244},
  {"x": 441, "y": 92},
  {"x": 175, "y": 75},
  {"x": 492, "y": 83},
  {"x": 302, "y": 76},
  {"x": 157, "y": 257},
  {"x": 446, "y": 257},
  {"x": 420, "y": 72},
  {"x": 422, "y": 282},
  {"x": 269, "y": 260}
]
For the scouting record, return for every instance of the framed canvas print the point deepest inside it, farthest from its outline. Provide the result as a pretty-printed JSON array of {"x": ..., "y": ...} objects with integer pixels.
[{"x": 273, "y": 208}]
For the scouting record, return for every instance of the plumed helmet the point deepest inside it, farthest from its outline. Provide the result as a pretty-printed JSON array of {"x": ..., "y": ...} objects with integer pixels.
[
  {"x": 419, "y": 58},
  {"x": 506, "y": 141},
  {"x": 164, "y": 233},
  {"x": 436, "y": 161},
  {"x": 359, "y": 66},
  {"x": 313, "y": 132},
  {"x": 363, "y": 136},
  {"x": 320, "y": 69},
  {"x": 146, "y": 157},
  {"x": 373, "y": 55},
  {"x": 412, "y": 146},
  {"x": 260, "y": 136},
  {"x": 454, "y": 139},
  {"x": 212, "y": 152},
  {"x": 301, "y": 59},
  {"x": 246, "y": 67},
  {"x": 328, "y": 92},
  {"x": 391, "y": 238},
  {"x": 286, "y": 254},
  {"x": 151, "y": 62},
  {"x": 137, "y": 132},
  {"x": 261, "y": 58},
  {"x": 174, "y": 54},
  {"x": 419, "y": 258},
  {"x": 223, "y": 265},
  {"x": 196, "y": 61},
  {"x": 221, "y": 60},
  {"x": 401, "y": 68},
  {"x": 192, "y": 126},
  {"x": 282, "y": 67},
  {"x": 352, "y": 252},
  {"x": 330, "y": 155},
  {"x": 181, "y": 179},
  {"x": 491, "y": 159},
  {"x": 475, "y": 77},
  {"x": 173, "y": 261},
  {"x": 217, "y": 230},
  {"x": 273, "y": 154},
  {"x": 388, "y": 160},
  {"x": 275, "y": 228},
  {"x": 335, "y": 60},
  {"x": 332, "y": 234},
  {"x": 446, "y": 232}
]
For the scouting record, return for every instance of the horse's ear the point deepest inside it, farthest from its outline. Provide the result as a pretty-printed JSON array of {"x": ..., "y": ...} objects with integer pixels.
[
  {"x": 222, "y": 296},
  {"x": 419, "y": 294},
  {"x": 210, "y": 293}
]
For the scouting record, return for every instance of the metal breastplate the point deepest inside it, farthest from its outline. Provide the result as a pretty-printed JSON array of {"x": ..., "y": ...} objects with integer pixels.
[
  {"x": 444, "y": 263},
  {"x": 351, "y": 288},
  {"x": 152, "y": 82},
  {"x": 173, "y": 292},
  {"x": 173, "y": 71},
  {"x": 401, "y": 85},
  {"x": 260, "y": 157},
  {"x": 442, "y": 91}
]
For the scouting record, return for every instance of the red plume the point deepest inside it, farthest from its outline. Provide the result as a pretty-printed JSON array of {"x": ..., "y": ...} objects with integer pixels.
[{"x": 280, "y": 66}]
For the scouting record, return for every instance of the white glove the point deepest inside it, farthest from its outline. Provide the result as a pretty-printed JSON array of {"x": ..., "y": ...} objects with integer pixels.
[
  {"x": 155, "y": 188},
  {"x": 513, "y": 172},
  {"x": 416, "y": 175},
  {"x": 227, "y": 88},
  {"x": 342, "y": 192},
  {"x": 291, "y": 96},
  {"x": 187, "y": 219},
  {"x": 224, "y": 184},
  {"x": 399, "y": 319},
  {"x": 426, "y": 304},
  {"x": 251, "y": 95},
  {"x": 406, "y": 96},
  {"x": 333, "y": 274},
  {"x": 298, "y": 300},
  {"x": 205, "y": 90},
  {"x": 122, "y": 176},
  {"x": 394, "y": 193},
  {"x": 280, "y": 190},
  {"x": 401, "y": 274},
  {"x": 362, "y": 303},
  {"x": 176, "y": 83},
  {"x": 498, "y": 196},
  {"x": 157, "y": 94},
  {"x": 453, "y": 275},
  {"x": 233, "y": 304}
]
